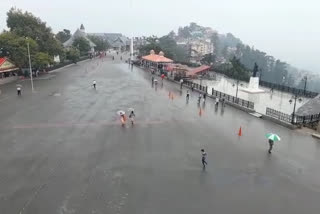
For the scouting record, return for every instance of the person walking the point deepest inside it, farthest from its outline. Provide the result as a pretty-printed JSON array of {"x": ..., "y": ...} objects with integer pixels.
[
  {"x": 188, "y": 95},
  {"x": 204, "y": 97},
  {"x": 204, "y": 158},
  {"x": 132, "y": 116},
  {"x": 199, "y": 98},
  {"x": 270, "y": 146},
  {"x": 123, "y": 119},
  {"x": 152, "y": 80},
  {"x": 181, "y": 83},
  {"x": 192, "y": 86},
  {"x": 94, "y": 83},
  {"x": 19, "y": 91},
  {"x": 217, "y": 101}
]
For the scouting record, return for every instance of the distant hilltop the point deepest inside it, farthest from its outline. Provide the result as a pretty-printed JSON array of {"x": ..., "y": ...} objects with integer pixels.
[{"x": 223, "y": 47}]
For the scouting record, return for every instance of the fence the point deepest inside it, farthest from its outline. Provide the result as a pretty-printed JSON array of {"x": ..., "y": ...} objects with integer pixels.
[
  {"x": 196, "y": 86},
  {"x": 279, "y": 115},
  {"x": 307, "y": 119},
  {"x": 288, "y": 89},
  {"x": 221, "y": 95},
  {"x": 230, "y": 98}
]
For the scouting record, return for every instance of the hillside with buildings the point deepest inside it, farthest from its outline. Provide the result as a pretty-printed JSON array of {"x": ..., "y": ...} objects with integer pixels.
[{"x": 195, "y": 44}]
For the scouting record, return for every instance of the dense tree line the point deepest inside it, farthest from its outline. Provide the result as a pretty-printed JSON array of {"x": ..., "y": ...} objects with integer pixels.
[
  {"x": 166, "y": 44},
  {"x": 26, "y": 29}
]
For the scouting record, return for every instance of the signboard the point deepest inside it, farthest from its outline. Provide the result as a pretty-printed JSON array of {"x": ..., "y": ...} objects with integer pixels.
[{"x": 7, "y": 66}]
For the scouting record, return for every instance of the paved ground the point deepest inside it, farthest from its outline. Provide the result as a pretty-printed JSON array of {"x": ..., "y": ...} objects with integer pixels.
[{"x": 62, "y": 150}]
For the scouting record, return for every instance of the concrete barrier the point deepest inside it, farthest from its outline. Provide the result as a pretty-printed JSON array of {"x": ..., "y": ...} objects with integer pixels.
[{"x": 316, "y": 136}]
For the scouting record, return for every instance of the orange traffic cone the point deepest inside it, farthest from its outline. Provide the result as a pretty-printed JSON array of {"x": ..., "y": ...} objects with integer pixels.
[
  {"x": 200, "y": 112},
  {"x": 240, "y": 132}
]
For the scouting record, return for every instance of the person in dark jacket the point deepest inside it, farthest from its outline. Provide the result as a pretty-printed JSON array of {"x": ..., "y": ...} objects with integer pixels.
[
  {"x": 204, "y": 158},
  {"x": 270, "y": 146}
]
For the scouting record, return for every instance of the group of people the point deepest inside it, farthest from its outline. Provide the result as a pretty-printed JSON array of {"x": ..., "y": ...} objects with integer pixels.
[
  {"x": 123, "y": 117},
  {"x": 204, "y": 97}
]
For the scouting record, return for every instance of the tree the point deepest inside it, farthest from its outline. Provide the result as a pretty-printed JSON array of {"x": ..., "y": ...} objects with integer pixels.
[
  {"x": 82, "y": 45},
  {"x": 184, "y": 32},
  {"x": 215, "y": 40},
  {"x": 172, "y": 34},
  {"x": 63, "y": 36},
  {"x": 16, "y": 48},
  {"x": 42, "y": 60},
  {"x": 27, "y": 25},
  {"x": 235, "y": 69},
  {"x": 73, "y": 54},
  {"x": 208, "y": 59},
  {"x": 152, "y": 44},
  {"x": 101, "y": 45}
]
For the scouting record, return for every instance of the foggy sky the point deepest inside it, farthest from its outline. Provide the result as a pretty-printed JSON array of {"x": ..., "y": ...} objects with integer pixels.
[{"x": 286, "y": 29}]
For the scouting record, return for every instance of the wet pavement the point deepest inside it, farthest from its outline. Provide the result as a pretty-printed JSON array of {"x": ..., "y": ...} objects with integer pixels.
[
  {"x": 63, "y": 150},
  {"x": 276, "y": 100}
]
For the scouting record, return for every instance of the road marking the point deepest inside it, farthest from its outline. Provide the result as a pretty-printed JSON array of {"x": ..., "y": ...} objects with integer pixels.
[{"x": 98, "y": 123}]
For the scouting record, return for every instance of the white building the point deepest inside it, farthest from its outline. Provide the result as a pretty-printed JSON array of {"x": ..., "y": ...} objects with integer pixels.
[{"x": 199, "y": 48}]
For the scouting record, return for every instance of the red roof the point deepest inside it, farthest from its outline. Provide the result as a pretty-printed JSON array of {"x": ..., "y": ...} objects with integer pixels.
[
  {"x": 2, "y": 60},
  {"x": 9, "y": 66},
  {"x": 198, "y": 70},
  {"x": 157, "y": 58}
]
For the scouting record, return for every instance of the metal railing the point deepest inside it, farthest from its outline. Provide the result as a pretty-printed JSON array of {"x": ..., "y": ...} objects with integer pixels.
[
  {"x": 221, "y": 95},
  {"x": 196, "y": 86},
  {"x": 278, "y": 115},
  {"x": 288, "y": 89},
  {"x": 233, "y": 99},
  {"x": 307, "y": 119},
  {"x": 297, "y": 120}
]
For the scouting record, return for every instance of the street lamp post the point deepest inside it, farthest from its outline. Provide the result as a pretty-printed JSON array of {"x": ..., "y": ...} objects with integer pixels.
[
  {"x": 295, "y": 98},
  {"x": 236, "y": 89},
  {"x": 305, "y": 78},
  {"x": 30, "y": 69}
]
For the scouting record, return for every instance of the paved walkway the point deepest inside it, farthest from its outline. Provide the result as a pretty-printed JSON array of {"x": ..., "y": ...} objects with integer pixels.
[{"x": 63, "y": 150}]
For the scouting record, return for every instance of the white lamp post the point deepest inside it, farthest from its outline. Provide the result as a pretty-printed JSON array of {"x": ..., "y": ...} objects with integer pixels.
[{"x": 30, "y": 69}]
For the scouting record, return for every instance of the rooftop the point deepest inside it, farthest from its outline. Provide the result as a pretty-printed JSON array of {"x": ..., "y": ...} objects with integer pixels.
[{"x": 157, "y": 58}]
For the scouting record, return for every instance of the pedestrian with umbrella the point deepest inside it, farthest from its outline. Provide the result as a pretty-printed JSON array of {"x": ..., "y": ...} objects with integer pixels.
[
  {"x": 271, "y": 139},
  {"x": 123, "y": 118}
]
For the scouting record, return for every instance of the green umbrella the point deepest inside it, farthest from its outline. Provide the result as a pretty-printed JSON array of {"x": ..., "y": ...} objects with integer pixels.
[{"x": 273, "y": 137}]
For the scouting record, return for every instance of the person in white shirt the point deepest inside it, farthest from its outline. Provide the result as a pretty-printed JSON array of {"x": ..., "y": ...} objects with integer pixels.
[
  {"x": 19, "y": 91},
  {"x": 217, "y": 101},
  {"x": 181, "y": 82},
  {"x": 94, "y": 84}
]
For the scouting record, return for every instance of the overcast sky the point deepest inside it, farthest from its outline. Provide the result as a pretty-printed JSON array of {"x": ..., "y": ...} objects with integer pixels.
[{"x": 286, "y": 29}]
